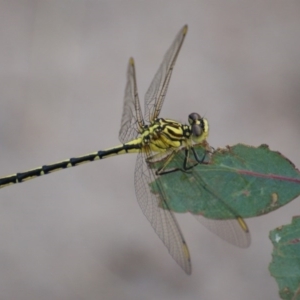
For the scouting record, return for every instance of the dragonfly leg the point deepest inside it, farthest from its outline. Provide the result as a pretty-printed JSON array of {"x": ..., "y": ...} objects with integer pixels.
[
  {"x": 202, "y": 160},
  {"x": 185, "y": 169},
  {"x": 162, "y": 170}
]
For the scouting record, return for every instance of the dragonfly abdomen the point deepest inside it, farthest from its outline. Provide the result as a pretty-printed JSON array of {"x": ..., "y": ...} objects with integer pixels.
[{"x": 131, "y": 147}]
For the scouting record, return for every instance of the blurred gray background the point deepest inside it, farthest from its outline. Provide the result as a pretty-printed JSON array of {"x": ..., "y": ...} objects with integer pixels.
[{"x": 80, "y": 234}]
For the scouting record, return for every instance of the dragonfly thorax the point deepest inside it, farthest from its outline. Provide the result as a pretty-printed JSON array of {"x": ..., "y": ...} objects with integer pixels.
[{"x": 163, "y": 134}]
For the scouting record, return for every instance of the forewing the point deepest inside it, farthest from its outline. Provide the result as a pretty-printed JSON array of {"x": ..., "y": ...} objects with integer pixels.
[
  {"x": 234, "y": 229},
  {"x": 228, "y": 230},
  {"x": 162, "y": 220},
  {"x": 156, "y": 93},
  {"x": 132, "y": 119}
]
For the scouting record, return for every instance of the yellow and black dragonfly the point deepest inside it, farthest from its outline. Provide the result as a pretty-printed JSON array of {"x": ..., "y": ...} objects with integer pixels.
[{"x": 155, "y": 139}]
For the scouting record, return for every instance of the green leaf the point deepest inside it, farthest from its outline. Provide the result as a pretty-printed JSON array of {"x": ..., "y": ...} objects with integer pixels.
[
  {"x": 285, "y": 266},
  {"x": 239, "y": 180}
]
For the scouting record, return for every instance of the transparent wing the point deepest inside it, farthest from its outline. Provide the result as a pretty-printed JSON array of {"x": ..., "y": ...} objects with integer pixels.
[
  {"x": 234, "y": 229},
  {"x": 228, "y": 230},
  {"x": 132, "y": 119},
  {"x": 156, "y": 93},
  {"x": 162, "y": 220}
]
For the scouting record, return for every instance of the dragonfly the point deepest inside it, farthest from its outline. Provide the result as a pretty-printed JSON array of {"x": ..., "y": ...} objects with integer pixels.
[{"x": 156, "y": 139}]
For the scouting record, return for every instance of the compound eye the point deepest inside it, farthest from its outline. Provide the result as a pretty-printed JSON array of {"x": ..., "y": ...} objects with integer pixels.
[
  {"x": 194, "y": 118},
  {"x": 196, "y": 130}
]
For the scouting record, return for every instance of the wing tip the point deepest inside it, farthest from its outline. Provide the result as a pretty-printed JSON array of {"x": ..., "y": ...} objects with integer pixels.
[
  {"x": 131, "y": 61},
  {"x": 187, "y": 267},
  {"x": 185, "y": 29},
  {"x": 246, "y": 243}
]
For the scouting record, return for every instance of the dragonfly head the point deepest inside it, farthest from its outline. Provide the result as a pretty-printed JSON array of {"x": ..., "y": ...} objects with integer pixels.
[{"x": 199, "y": 127}]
